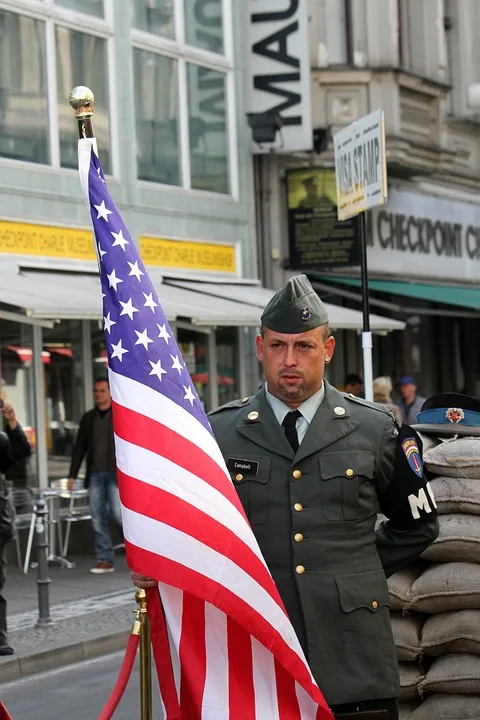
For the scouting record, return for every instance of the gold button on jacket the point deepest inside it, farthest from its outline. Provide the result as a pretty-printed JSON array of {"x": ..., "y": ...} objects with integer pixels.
[
  {"x": 299, "y": 569},
  {"x": 298, "y": 507},
  {"x": 298, "y": 537},
  {"x": 239, "y": 477},
  {"x": 349, "y": 472},
  {"x": 297, "y": 474},
  {"x": 374, "y": 605}
]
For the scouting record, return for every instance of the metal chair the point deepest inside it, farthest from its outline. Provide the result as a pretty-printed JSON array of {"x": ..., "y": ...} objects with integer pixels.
[
  {"x": 75, "y": 509},
  {"x": 22, "y": 521}
]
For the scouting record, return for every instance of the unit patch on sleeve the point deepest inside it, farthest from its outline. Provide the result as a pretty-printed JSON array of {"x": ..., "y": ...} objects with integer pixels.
[{"x": 412, "y": 453}]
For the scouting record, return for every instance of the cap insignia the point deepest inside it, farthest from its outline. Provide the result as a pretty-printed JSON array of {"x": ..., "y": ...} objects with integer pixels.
[
  {"x": 306, "y": 314},
  {"x": 455, "y": 415}
]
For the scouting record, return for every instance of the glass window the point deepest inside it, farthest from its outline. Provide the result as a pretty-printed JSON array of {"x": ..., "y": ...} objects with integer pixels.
[
  {"x": 204, "y": 24},
  {"x": 154, "y": 16},
  {"x": 194, "y": 349},
  {"x": 23, "y": 89},
  {"x": 227, "y": 364},
  {"x": 156, "y": 104},
  {"x": 92, "y": 7},
  {"x": 82, "y": 60},
  {"x": 208, "y": 129}
]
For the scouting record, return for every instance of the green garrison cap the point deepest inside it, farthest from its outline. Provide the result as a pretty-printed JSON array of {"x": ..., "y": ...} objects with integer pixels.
[{"x": 295, "y": 308}]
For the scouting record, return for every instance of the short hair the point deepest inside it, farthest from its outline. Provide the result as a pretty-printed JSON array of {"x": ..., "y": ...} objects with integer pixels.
[
  {"x": 101, "y": 380},
  {"x": 325, "y": 327},
  {"x": 353, "y": 379}
]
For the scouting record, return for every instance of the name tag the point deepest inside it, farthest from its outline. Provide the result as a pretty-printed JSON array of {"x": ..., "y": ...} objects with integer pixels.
[{"x": 247, "y": 467}]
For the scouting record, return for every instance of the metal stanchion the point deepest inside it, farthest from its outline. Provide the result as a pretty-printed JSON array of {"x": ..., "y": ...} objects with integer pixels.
[
  {"x": 43, "y": 581},
  {"x": 145, "y": 657}
]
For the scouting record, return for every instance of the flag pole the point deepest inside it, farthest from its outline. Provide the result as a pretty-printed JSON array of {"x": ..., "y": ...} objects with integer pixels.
[{"x": 83, "y": 103}]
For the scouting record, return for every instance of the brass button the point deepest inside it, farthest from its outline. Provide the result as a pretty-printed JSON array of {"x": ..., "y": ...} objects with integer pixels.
[
  {"x": 298, "y": 507},
  {"x": 239, "y": 477},
  {"x": 299, "y": 569},
  {"x": 349, "y": 472},
  {"x": 252, "y": 415},
  {"x": 374, "y": 605},
  {"x": 298, "y": 537},
  {"x": 297, "y": 474},
  {"x": 245, "y": 399}
]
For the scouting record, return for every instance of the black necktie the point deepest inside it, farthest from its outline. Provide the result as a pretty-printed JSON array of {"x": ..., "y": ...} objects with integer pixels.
[{"x": 290, "y": 430}]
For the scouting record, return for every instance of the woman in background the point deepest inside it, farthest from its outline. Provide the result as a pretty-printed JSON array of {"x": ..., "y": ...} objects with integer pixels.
[{"x": 382, "y": 388}]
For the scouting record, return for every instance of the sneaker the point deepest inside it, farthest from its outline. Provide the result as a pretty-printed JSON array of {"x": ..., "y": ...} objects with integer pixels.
[
  {"x": 102, "y": 567},
  {"x": 6, "y": 650}
]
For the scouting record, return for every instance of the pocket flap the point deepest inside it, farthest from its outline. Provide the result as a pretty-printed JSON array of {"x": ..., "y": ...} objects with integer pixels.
[
  {"x": 346, "y": 464},
  {"x": 261, "y": 464},
  {"x": 363, "y": 590}
]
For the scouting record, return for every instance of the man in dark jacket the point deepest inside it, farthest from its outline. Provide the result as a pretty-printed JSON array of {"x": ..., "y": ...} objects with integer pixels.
[
  {"x": 95, "y": 441},
  {"x": 14, "y": 447},
  {"x": 316, "y": 468}
]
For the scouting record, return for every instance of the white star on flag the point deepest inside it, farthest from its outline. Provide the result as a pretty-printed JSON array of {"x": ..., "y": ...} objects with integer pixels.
[
  {"x": 189, "y": 394},
  {"x": 118, "y": 351},
  {"x": 128, "y": 308},
  {"x": 102, "y": 211},
  {"x": 101, "y": 252},
  {"x": 113, "y": 281},
  {"x": 177, "y": 365},
  {"x": 157, "y": 369},
  {"x": 108, "y": 323},
  {"x": 163, "y": 333},
  {"x": 99, "y": 176},
  {"x": 135, "y": 270},
  {"x": 143, "y": 339},
  {"x": 150, "y": 302},
  {"x": 120, "y": 240}
]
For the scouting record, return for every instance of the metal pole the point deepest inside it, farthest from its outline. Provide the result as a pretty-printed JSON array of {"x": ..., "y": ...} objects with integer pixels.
[
  {"x": 87, "y": 364},
  {"x": 366, "y": 334},
  {"x": 43, "y": 581},
  {"x": 212, "y": 368},
  {"x": 145, "y": 657},
  {"x": 40, "y": 420}
]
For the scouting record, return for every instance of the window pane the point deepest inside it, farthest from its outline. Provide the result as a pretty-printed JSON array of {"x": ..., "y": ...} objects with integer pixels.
[
  {"x": 208, "y": 130},
  {"x": 156, "y": 105},
  {"x": 204, "y": 25},
  {"x": 154, "y": 16},
  {"x": 92, "y": 7},
  {"x": 82, "y": 60},
  {"x": 23, "y": 89}
]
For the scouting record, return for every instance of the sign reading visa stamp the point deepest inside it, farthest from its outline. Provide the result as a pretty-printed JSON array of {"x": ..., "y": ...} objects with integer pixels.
[{"x": 360, "y": 165}]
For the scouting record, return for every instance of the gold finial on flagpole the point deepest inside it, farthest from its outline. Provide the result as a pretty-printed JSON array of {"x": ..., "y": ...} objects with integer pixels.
[{"x": 82, "y": 101}]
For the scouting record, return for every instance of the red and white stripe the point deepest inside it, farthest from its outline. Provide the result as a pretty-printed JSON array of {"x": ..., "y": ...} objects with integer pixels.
[{"x": 224, "y": 646}]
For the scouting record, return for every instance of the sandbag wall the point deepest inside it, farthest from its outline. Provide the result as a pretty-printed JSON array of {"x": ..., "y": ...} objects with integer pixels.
[{"x": 435, "y": 603}]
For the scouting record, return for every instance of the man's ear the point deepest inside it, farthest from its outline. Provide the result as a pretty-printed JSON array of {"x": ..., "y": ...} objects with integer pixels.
[{"x": 259, "y": 347}]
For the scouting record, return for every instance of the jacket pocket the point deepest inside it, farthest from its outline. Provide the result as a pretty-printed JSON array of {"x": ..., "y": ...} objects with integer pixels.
[
  {"x": 342, "y": 474},
  {"x": 252, "y": 488},
  {"x": 363, "y": 590}
]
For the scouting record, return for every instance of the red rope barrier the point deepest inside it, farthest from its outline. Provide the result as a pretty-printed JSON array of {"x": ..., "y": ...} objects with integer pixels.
[
  {"x": 123, "y": 678},
  {"x": 4, "y": 713}
]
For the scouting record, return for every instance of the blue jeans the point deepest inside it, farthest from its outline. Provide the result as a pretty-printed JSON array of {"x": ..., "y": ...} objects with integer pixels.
[{"x": 104, "y": 503}]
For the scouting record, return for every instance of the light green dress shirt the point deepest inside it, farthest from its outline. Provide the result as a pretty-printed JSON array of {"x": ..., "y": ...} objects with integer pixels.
[{"x": 307, "y": 408}]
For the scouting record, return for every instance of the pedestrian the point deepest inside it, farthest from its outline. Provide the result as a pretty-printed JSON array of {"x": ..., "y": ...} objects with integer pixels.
[
  {"x": 411, "y": 402},
  {"x": 317, "y": 467},
  {"x": 14, "y": 447},
  {"x": 382, "y": 388},
  {"x": 95, "y": 442},
  {"x": 353, "y": 384}
]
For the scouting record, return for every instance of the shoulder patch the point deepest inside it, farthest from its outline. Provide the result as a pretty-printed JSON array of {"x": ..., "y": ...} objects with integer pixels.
[
  {"x": 368, "y": 404},
  {"x": 232, "y": 405}
]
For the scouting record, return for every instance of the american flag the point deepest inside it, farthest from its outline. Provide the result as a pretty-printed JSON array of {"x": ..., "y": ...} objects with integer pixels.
[{"x": 223, "y": 645}]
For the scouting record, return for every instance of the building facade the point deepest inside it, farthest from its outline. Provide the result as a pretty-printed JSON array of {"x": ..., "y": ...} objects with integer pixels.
[
  {"x": 167, "y": 76},
  {"x": 416, "y": 60}
]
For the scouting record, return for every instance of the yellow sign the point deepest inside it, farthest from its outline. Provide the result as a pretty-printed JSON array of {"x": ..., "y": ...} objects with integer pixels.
[
  {"x": 46, "y": 241},
  {"x": 187, "y": 255}
]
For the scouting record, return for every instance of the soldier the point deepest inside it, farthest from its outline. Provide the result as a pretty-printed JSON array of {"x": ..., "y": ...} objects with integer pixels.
[{"x": 313, "y": 467}]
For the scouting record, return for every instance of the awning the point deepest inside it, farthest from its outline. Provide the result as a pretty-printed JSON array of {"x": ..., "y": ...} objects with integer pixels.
[
  {"x": 71, "y": 295},
  {"x": 340, "y": 318},
  {"x": 460, "y": 295}
]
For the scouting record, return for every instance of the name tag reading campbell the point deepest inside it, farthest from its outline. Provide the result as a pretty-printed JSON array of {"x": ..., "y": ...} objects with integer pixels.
[{"x": 247, "y": 467}]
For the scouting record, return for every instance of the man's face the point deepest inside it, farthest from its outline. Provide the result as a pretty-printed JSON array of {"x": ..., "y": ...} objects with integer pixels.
[
  {"x": 408, "y": 392},
  {"x": 294, "y": 363},
  {"x": 101, "y": 394}
]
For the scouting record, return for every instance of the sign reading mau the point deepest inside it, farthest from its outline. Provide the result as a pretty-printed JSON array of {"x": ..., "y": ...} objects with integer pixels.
[{"x": 279, "y": 67}]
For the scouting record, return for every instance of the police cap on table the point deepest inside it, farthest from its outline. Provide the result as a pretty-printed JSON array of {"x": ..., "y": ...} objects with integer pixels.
[
  {"x": 295, "y": 308},
  {"x": 447, "y": 414}
]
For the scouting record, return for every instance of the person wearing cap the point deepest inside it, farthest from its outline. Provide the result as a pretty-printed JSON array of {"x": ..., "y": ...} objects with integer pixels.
[
  {"x": 313, "y": 467},
  {"x": 410, "y": 402}
]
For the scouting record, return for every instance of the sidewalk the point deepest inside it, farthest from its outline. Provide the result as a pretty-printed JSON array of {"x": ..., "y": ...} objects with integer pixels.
[{"x": 92, "y": 615}]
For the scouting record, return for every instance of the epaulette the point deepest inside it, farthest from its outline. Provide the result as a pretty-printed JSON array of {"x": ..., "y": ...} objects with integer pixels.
[
  {"x": 243, "y": 402},
  {"x": 368, "y": 403}
]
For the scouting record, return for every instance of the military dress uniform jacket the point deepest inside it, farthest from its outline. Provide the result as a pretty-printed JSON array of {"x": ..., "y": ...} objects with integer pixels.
[{"x": 314, "y": 512}]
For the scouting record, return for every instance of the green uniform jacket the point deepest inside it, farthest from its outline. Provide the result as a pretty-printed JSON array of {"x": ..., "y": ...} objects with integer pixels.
[{"x": 313, "y": 514}]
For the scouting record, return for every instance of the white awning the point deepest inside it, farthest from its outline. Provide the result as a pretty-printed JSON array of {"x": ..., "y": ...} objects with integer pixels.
[
  {"x": 340, "y": 318},
  {"x": 72, "y": 295}
]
